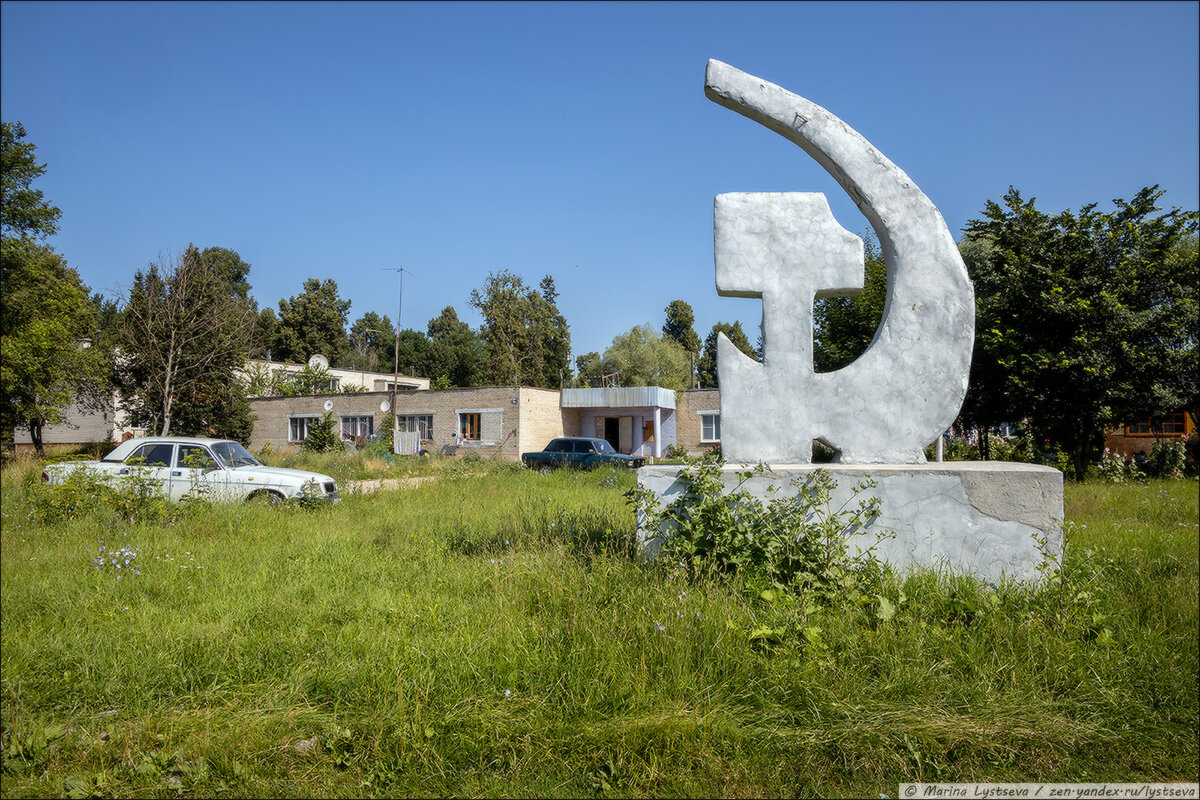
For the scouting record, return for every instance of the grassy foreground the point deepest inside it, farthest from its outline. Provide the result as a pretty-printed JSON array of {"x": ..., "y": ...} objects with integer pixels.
[{"x": 489, "y": 634}]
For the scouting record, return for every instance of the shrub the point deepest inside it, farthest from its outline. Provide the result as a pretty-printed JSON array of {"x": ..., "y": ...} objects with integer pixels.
[
  {"x": 321, "y": 437},
  {"x": 1115, "y": 468},
  {"x": 133, "y": 497},
  {"x": 1167, "y": 459},
  {"x": 795, "y": 543},
  {"x": 676, "y": 452}
]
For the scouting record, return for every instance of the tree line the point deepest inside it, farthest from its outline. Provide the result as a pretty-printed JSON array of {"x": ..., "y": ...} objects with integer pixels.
[{"x": 1084, "y": 320}]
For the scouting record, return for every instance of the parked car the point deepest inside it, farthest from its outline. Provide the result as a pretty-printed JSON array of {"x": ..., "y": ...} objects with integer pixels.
[
  {"x": 216, "y": 469},
  {"x": 579, "y": 453}
]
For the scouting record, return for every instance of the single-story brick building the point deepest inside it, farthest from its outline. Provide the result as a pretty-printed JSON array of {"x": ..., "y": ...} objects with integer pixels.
[
  {"x": 503, "y": 421},
  {"x": 1140, "y": 436}
]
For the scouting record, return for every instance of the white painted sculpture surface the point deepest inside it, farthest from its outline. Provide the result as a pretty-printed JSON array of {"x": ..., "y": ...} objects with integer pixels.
[{"x": 786, "y": 248}]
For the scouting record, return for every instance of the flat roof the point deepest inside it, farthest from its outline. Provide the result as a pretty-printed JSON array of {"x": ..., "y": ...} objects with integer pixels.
[{"x": 620, "y": 397}]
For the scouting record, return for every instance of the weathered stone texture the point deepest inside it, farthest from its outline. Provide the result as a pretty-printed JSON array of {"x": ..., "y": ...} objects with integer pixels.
[{"x": 989, "y": 519}]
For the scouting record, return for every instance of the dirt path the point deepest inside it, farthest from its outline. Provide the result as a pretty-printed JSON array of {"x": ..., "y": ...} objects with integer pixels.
[{"x": 386, "y": 484}]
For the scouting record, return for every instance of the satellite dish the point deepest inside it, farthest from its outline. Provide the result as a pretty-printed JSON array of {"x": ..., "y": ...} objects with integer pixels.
[
  {"x": 329, "y": 405},
  {"x": 318, "y": 361},
  {"x": 385, "y": 405}
]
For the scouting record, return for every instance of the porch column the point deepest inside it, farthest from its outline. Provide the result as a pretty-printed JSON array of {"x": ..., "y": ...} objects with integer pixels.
[{"x": 657, "y": 432}]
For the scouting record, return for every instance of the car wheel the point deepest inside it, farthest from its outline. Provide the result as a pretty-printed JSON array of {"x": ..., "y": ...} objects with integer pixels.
[
  {"x": 545, "y": 470},
  {"x": 264, "y": 498}
]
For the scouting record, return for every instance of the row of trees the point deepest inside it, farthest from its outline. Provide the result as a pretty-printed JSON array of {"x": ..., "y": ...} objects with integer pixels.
[{"x": 524, "y": 338}]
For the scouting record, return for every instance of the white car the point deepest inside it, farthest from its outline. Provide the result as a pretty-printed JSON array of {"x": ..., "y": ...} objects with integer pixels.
[{"x": 216, "y": 469}]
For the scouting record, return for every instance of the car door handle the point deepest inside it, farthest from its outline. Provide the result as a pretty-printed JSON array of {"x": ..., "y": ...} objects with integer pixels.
[
  {"x": 123, "y": 472},
  {"x": 175, "y": 473}
]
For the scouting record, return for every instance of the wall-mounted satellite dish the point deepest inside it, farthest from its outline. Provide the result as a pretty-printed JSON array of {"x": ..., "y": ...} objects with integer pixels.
[
  {"x": 318, "y": 361},
  {"x": 329, "y": 405},
  {"x": 384, "y": 406}
]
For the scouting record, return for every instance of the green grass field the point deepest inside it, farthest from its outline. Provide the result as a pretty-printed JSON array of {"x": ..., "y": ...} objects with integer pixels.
[{"x": 489, "y": 634}]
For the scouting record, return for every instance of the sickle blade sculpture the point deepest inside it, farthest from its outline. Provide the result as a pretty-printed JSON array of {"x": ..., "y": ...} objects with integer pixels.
[{"x": 786, "y": 248}]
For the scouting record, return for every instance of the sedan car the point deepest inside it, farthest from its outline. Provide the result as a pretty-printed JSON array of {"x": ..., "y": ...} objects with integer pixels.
[
  {"x": 579, "y": 453},
  {"x": 185, "y": 467}
]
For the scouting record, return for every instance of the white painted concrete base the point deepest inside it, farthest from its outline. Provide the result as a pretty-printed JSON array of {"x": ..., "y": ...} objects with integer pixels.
[{"x": 983, "y": 518}]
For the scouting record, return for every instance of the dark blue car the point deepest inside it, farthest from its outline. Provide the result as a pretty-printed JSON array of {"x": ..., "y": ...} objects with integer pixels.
[{"x": 579, "y": 453}]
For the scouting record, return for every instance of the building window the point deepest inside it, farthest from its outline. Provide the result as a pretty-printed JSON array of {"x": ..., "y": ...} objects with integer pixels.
[
  {"x": 421, "y": 423},
  {"x": 357, "y": 426},
  {"x": 1172, "y": 425},
  {"x": 298, "y": 427},
  {"x": 710, "y": 426},
  {"x": 469, "y": 426}
]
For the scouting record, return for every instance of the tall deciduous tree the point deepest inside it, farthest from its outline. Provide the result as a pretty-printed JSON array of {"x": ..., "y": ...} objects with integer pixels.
[
  {"x": 46, "y": 313},
  {"x": 455, "y": 351},
  {"x": 264, "y": 333},
  {"x": 707, "y": 367},
  {"x": 590, "y": 370},
  {"x": 24, "y": 212},
  {"x": 525, "y": 337},
  {"x": 187, "y": 329},
  {"x": 311, "y": 323},
  {"x": 373, "y": 342},
  {"x": 641, "y": 357},
  {"x": 46, "y": 361},
  {"x": 1083, "y": 320},
  {"x": 414, "y": 353},
  {"x": 679, "y": 327}
]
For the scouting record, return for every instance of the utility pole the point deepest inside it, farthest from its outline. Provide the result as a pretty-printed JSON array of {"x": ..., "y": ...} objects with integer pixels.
[{"x": 396, "y": 362}]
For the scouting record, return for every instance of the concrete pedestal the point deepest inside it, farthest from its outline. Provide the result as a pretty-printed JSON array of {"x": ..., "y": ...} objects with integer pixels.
[{"x": 983, "y": 518}]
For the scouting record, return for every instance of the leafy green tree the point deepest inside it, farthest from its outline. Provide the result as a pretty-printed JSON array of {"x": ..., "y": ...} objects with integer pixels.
[
  {"x": 24, "y": 212},
  {"x": 313, "y": 379},
  {"x": 590, "y": 369},
  {"x": 311, "y": 323},
  {"x": 46, "y": 317},
  {"x": 414, "y": 352},
  {"x": 844, "y": 326},
  {"x": 455, "y": 350},
  {"x": 526, "y": 339},
  {"x": 187, "y": 331},
  {"x": 45, "y": 322},
  {"x": 263, "y": 334},
  {"x": 1083, "y": 320},
  {"x": 373, "y": 342},
  {"x": 641, "y": 357},
  {"x": 554, "y": 336},
  {"x": 679, "y": 327},
  {"x": 707, "y": 367},
  {"x": 230, "y": 269}
]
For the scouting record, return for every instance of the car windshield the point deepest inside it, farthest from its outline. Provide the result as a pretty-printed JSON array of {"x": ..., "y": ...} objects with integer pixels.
[
  {"x": 233, "y": 455},
  {"x": 602, "y": 446}
]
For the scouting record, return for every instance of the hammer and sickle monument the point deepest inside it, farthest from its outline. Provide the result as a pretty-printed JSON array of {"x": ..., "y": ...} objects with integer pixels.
[{"x": 990, "y": 519}]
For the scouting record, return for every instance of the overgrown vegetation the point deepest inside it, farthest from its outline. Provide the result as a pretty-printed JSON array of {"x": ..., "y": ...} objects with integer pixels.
[{"x": 494, "y": 632}]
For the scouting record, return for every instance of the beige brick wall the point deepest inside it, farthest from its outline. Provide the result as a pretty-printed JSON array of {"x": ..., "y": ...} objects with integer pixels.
[
  {"x": 272, "y": 413},
  {"x": 541, "y": 418},
  {"x": 79, "y": 426},
  {"x": 502, "y": 423},
  {"x": 687, "y": 419}
]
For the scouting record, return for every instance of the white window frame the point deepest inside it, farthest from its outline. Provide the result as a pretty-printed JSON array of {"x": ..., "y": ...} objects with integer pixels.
[
  {"x": 421, "y": 423},
  {"x": 712, "y": 420},
  {"x": 305, "y": 421},
  {"x": 458, "y": 419},
  {"x": 356, "y": 421}
]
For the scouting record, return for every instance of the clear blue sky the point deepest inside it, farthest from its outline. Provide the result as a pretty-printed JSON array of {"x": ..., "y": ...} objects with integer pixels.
[{"x": 330, "y": 141}]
